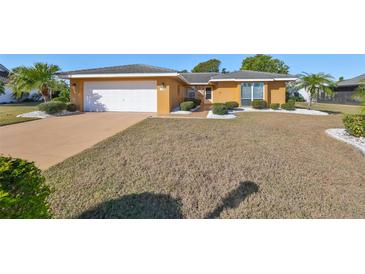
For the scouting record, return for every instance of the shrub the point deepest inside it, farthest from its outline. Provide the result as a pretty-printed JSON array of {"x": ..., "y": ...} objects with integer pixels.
[
  {"x": 232, "y": 104},
  {"x": 60, "y": 99},
  {"x": 23, "y": 191},
  {"x": 274, "y": 106},
  {"x": 288, "y": 106},
  {"x": 291, "y": 102},
  {"x": 220, "y": 109},
  {"x": 259, "y": 104},
  {"x": 197, "y": 102},
  {"x": 355, "y": 124},
  {"x": 52, "y": 107},
  {"x": 71, "y": 107},
  {"x": 186, "y": 106}
]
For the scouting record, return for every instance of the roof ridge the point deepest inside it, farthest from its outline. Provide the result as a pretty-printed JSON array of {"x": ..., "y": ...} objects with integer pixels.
[{"x": 4, "y": 68}]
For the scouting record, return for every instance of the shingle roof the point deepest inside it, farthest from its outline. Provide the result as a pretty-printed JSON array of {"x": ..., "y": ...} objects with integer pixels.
[
  {"x": 352, "y": 82},
  {"x": 199, "y": 77},
  {"x": 249, "y": 74},
  {"x": 135, "y": 68}
]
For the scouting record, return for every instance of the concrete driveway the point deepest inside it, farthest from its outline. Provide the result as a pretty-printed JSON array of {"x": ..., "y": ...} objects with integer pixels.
[{"x": 52, "y": 140}]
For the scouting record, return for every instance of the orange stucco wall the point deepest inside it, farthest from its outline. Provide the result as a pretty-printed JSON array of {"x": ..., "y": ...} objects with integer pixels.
[
  {"x": 170, "y": 91},
  {"x": 274, "y": 92},
  {"x": 227, "y": 91},
  {"x": 277, "y": 92}
]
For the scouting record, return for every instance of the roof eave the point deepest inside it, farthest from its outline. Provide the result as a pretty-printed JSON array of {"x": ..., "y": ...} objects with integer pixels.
[
  {"x": 253, "y": 80},
  {"x": 115, "y": 75}
]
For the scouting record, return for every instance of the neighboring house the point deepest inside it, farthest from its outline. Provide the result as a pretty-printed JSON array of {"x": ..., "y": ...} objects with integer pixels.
[
  {"x": 8, "y": 96},
  {"x": 343, "y": 92},
  {"x": 4, "y": 74},
  {"x": 144, "y": 88}
]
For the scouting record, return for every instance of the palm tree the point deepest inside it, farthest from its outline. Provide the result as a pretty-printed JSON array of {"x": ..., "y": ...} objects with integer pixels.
[
  {"x": 40, "y": 76},
  {"x": 360, "y": 94},
  {"x": 313, "y": 83}
]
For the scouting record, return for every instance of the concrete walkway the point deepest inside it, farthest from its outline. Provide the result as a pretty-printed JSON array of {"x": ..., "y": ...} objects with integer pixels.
[{"x": 52, "y": 140}]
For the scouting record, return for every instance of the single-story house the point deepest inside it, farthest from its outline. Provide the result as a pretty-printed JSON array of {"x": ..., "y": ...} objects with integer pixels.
[
  {"x": 343, "y": 92},
  {"x": 144, "y": 88}
]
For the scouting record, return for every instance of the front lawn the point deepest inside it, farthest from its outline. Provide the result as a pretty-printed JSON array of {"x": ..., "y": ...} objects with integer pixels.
[
  {"x": 8, "y": 113},
  {"x": 332, "y": 108},
  {"x": 260, "y": 165}
]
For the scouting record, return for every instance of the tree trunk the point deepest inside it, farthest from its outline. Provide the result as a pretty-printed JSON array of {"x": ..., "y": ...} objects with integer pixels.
[
  {"x": 45, "y": 92},
  {"x": 310, "y": 102}
]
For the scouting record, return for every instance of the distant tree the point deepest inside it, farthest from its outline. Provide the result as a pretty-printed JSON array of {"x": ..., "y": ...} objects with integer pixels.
[
  {"x": 40, "y": 76},
  {"x": 2, "y": 87},
  {"x": 211, "y": 65},
  {"x": 341, "y": 78},
  {"x": 61, "y": 89},
  {"x": 313, "y": 84},
  {"x": 265, "y": 63},
  {"x": 360, "y": 94},
  {"x": 224, "y": 70},
  {"x": 183, "y": 71}
]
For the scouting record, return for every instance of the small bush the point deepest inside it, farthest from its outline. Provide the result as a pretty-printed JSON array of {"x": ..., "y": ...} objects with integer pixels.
[
  {"x": 259, "y": 104},
  {"x": 71, "y": 107},
  {"x": 60, "y": 99},
  {"x": 232, "y": 105},
  {"x": 52, "y": 107},
  {"x": 288, "y": 106},
  {"x": 197, "y": 102},
  {"x": 291, "y": 102},
  {"x": 23, "y": 192},
  {"x": 355, "y": 124},
  {"x": 186, "y": 106},
  {"x": 220, "y": 109},
  {"x": 274, "y": 106}
]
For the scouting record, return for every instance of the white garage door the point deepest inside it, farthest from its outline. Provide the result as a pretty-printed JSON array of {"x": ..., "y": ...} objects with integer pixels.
[{"x": 136, "y": 96}]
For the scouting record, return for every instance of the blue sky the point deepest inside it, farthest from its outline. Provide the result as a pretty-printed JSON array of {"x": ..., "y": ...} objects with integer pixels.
[{"x": 347, "y": 65}]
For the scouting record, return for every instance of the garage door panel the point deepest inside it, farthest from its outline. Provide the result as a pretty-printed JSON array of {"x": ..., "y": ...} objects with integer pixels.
[{"x": 134, "y": 96}]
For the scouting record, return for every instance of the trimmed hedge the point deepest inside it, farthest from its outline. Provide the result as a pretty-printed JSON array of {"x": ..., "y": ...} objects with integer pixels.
[
  {"x": 259, "y": 104},
  {"x": 52, "y": 107},
  {"x": 220, "y": 109},
  {"x": 186, "y": 106},
  {"x": 71, "y": 107},
  {"x": 23, "y": 191},
  {"x": 60, "y": 99},
  {"x": 197, "y": 102},
  {"x": 275, "y": 106},
  {"x": 290, "y": 105},
  {"x": 287, "y": 106},
  {"x": 355, "y": 124},
  {"x": 232, "y": 105}
]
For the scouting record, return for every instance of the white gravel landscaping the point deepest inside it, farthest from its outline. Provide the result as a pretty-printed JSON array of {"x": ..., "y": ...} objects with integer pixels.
[
  {"x": 342, "y": 135},
  {"x": 43, "y": 114},
  {"x": 177, "y": 110},
  {"x": 211, "y": 115},
  {"x": 296, "y": 111}
]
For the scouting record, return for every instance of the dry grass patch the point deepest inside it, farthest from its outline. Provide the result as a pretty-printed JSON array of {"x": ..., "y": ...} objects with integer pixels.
[{"x": 261, "y": 165}]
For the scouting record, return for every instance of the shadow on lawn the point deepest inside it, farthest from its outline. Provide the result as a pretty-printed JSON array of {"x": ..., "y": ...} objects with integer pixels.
[
  {"x": 160, "y": 206},
  {"x": 136, "y": 206},
  {"x": 234, "y": 198}
]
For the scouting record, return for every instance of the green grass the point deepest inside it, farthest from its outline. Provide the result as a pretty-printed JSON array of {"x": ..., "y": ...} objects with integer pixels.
[
  {"x": 8, "y": 113},
  {"x": 260, "y": 165},
  {"x": 332, "y": 108}
]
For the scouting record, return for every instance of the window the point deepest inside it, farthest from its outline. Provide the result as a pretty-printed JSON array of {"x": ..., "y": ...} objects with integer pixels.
[
  {"x": 208, "y": 93},
  {"x": 250, "y": 92},
  {"x": 191, "y": 93}
]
